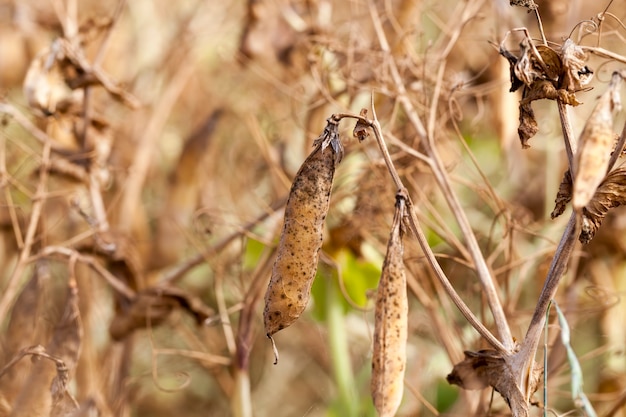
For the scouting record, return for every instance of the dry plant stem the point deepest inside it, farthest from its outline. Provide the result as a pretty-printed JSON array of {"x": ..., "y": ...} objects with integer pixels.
[
  {"x": 96, "y": 64},
  {"x": 4, "y": 183},
  {"x": 568, "y": 136},
  {"x": 111, "y": 279},
  {"x": 601, "y": 52},
  {"x": 37, "y": 350},
  {"x": 247, "y": 317},
  {"x": 524, "y": 358},
  {"x": 23, "y": 121},
  {"x": 456, "y": 299},
  {"x": 179, "y": 271},
  {"x": 138, "y": 171},
  {"x": 485, "y": 276},
  {"x": 421, "y": 238},
  {"x": 11, "y": 289}
]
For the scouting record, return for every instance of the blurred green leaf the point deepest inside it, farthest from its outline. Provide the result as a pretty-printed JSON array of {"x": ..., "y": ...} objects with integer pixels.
[
  {"x": 252, "y": 253},
  {"x": 359, "y": 278},
  {"x": 446, "y": 396}
]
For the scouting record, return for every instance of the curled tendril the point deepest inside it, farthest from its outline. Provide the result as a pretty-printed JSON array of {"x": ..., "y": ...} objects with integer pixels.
[
  {"x": 155, "y": 379},
  {"x": 602, "y": 299},
  {"x": 585, "y": 27}
]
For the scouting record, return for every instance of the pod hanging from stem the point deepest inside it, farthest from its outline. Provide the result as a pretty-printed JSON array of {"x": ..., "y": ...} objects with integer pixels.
[
  {"x": 391, "y": 322},
  {"x": 297, "y": 255}
]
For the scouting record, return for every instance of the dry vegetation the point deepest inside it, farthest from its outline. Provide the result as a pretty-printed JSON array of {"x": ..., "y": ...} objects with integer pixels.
[{"x": 147, "y": 153}]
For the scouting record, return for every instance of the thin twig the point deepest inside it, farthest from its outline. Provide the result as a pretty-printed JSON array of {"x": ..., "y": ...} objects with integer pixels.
[
  {"x": 143, "y": 155},
  {"x": 421, "y": 238},
  {"x": 40, "y": 197},
  {"x": 111, "y": 279},
  {"x": 571, "y": 145},
  {"x": 177, "y": 272}
]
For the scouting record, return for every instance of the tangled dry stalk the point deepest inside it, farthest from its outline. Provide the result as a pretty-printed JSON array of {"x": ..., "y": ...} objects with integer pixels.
[{"x": 147, "y": 152}]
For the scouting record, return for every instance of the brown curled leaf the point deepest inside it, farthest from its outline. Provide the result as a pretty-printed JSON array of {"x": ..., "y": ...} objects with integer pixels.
[
  {"x": 527, "y": 124},
  {"x": 563, "y": 196},
  {"x": 391, "y": 323},
  {"x": 595, "y": 145},
  {"x": 295, "y": 266},
  {"x": 576, "y": 75},
  {"x": 544, "y": 73},
  {"x": 490, "y": 368},
  {"x": 360, "y": 129},
  {"x": 546, "y": 89},
  {"x": 610, "y": 194}
]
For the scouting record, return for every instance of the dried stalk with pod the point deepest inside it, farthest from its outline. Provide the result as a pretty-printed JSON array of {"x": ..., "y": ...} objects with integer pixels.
[{"x": 391, "y": 322}]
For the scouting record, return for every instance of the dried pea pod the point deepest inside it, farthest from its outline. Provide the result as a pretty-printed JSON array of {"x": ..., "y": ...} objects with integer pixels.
[
  {"x": 295, "y": 266},
  {"x": 391, "y": 323},
  {"x": 595, "y": 145}
]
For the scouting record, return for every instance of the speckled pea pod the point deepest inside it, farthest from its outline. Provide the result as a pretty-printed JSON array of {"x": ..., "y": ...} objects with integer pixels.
[
  {"x": 595, "y": 145},
  {"x": 295, "y": 266},
  {"x": 390, "y": 328}
]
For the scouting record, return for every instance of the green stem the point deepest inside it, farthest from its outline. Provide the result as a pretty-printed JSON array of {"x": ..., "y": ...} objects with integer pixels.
[{"x": 340, "y": 355}]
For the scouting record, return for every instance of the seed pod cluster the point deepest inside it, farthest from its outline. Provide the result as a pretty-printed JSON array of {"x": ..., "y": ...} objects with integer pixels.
[
  {"x": 295, "y": 266},
  {"x": 391, "y": 323},
  {"x": 595, "y": 145}
]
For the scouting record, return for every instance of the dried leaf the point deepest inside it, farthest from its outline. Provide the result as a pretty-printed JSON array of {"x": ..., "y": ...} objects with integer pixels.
[
  {"x": 563, "y": 196},
  {"x": 57, "y": 74},
  {"x": 527, "y": 124},
  {"x": 295, "y": 266},
  {"x": 529, "y": 4},
  {"x": 610, "y": 194},
  {"x": 545, "y": 73},
  {"x": 391, "y": 325},
  {"x": 489, "y": 368},
  {"x": 576, "y": 74},
  {"x": 595, "y": 146},
  {"x": 44, "y": 85},
  {"x": 546, "y": 89},
  {"x": 360, "y": 130}
]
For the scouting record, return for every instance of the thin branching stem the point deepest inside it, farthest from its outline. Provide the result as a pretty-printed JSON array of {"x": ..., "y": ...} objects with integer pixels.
[
  {"x": 10, "y": 292},
  {"x": 486, "y": 279},
  {"x": 421, "y": 238},
  {"x": 568, "y": 136}
]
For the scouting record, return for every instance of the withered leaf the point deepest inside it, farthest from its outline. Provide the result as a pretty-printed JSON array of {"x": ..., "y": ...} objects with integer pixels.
[
  {"x": 489, "y": 368},
  {"x": 563, "y": 196},
  {"x": 360, "y": 130},
  {"x": 529, "y": 4},
  {"x": 576, "y": 74},
  {"x": 610, "y": 194},
  {"x": 527, "y": 124},
  {"x": 544, "y": 73},
  {"x": 546, "y": 89},
  {"x": 595, "y": 145}
]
